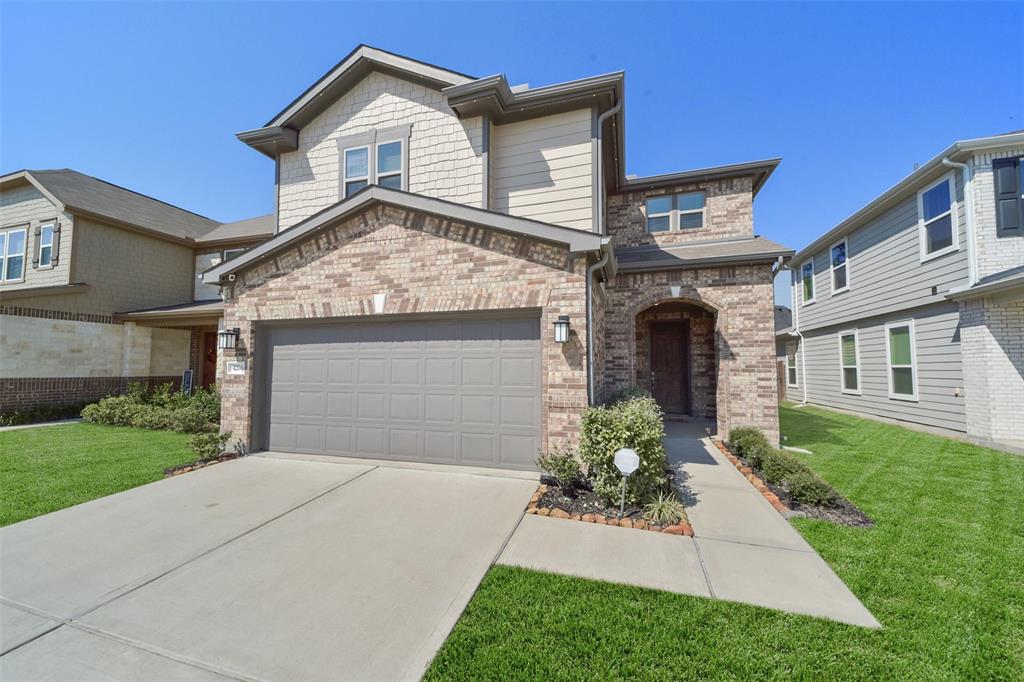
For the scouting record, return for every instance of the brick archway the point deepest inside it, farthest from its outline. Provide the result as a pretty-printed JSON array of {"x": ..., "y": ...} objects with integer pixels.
[{"x": 659, "y": 296}]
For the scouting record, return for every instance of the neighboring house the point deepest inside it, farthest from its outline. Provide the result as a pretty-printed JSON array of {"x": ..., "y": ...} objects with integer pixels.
[
  {"x": 913, "y": 308},
  {"x": 77, "y": 254},
  {"x": 783, "y": 322},
  {"x": 461, "y": 267}
]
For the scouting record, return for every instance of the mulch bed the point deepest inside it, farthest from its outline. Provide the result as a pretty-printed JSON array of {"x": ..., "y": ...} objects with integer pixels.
[
  {"x": 185, "y": 468},
  {"x": 843, "y": 512},
  {"x": 580, "y": 503}
]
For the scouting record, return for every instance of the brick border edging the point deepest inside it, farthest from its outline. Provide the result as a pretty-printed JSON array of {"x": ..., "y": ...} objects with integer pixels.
[
  {"x": 755, "y": 481},
  {"x": 682, "y": 528}
]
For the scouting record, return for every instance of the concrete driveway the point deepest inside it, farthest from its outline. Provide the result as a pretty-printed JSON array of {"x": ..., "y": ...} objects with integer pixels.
[{"x": 264, "y": 568}]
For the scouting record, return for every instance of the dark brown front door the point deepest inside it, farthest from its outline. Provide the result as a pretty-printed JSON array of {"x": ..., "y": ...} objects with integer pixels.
[
  {"x": 209, "y": 359},
  {"x": 670, "y": 366}
]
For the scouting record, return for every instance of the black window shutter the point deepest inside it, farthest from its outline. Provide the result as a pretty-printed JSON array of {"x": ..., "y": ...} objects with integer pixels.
[
  {"x": 1009, "y": 209},
  {"x": 35, "y": 246},
  {"x": 55, "y": 251}
]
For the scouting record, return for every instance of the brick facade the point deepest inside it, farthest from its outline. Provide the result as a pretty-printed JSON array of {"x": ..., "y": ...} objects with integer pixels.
[
  {"x": 22, "y": 393},
  {"x": 425, "y": 265},
  {"x": 992, "y": 343},
  {"x": 996, "y": 252},
  {"x": 744, "y": 340},
  {"x": 728, "y": 212}
]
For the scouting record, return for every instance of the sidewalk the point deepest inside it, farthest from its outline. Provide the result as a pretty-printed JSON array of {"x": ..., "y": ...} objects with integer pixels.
[
  {"x": 59, "y": 422},
  {"x": 742, "y": 549}
]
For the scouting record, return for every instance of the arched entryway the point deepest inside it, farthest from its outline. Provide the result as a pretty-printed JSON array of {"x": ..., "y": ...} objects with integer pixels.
[{"x": 676, "y": 357}]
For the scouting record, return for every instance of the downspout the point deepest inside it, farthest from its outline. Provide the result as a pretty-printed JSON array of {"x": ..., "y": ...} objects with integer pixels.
[
  {"x": 799, "y": 335},
  {"x": 600, "y": 165},
  {"x": 972, "y": 251},
  {"x": 590, "y": 320}
]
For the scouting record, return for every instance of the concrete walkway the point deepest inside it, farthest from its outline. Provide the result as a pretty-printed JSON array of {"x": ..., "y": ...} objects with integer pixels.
[
  {"x": 261, "y": 568},
  {"x": 60, "y": 422},
  {"x": 742, "y": 549}
]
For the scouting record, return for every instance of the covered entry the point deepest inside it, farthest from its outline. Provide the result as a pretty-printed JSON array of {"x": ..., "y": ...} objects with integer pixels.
[{"x": 460, "y": 390}]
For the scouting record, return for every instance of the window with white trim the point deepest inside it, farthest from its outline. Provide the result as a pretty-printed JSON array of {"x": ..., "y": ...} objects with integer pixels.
[
  {"x": 389, "y": 164},
  {"x": 901, "y": 360},
  {"x": 357, "y": 169},
  {"x": 839, "y": 267},
  {"x": 791, "y": 365},
  {"x": 849, "y": 361},
  {"x": 12, "y": 254},
  {"x": 807, "y": 281},
  {"x": 676, "y": 212},
  {"x": 935, "y": 213},
  {"x": 46, "y": 246}
]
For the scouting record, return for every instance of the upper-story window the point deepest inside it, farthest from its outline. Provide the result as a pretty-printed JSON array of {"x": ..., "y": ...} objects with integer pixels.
[
  {"x": 938, "y": 233},
  {"x": 45, "y": 257},
  {"x": 228, "y": 254},
  {"x": 12, "y": 254},
  {"x": 389, "y": 164},
  {"x": 357, "y": 170},
  {"x": 839, "y": 267},
  {"x": 807, "y": 281},
  {"x": 676, "y": 212},
  {"x": 1009, "y": 191}
]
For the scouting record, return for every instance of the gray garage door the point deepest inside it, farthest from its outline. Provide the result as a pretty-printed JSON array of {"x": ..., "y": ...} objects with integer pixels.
[{"x": 460, "y": 391}]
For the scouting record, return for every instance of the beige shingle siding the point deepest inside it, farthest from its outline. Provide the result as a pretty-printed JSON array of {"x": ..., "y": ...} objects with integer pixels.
[
  {"x": 24, "y": 205},
  {"x": 445, "y": 155},
  {"x": 995, "y": 253},
  {"x": 543, "y": 169},
  {"x": 126, "y": 271}
]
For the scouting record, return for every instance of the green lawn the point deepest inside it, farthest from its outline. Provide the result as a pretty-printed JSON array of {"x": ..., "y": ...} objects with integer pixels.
[
  {"x": 52, "y": 467},
  {"x": 943, "y": 571}
]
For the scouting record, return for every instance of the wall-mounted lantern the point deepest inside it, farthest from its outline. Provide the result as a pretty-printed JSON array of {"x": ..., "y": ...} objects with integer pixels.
[
  {"x": 227, "y": 339},
  {"x": 562, "y": 329}
]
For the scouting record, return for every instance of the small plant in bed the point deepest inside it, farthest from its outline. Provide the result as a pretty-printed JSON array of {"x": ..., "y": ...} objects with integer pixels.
[{"x": 792, "y": 481}]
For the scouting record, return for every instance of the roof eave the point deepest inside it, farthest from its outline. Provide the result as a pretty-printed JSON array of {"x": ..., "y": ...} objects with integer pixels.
[
  {"x": 760, "y": 170},
  {"x": 885, "y": 200},
  {"x": 271, "y": 141},
  {"x": 686, "y": 263},
  {"x": 493, "y": 96}
]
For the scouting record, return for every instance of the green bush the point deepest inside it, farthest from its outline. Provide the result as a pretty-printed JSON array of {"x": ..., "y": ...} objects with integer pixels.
[
  {"x": 209, "y": 445},
  {"x": 628, "y": 394},
  {"x": 664, "y": 510},
  {"x": 807, "y": 488},
  {"x": 778, "y": 466},
  {"x": 161, "y": 408},
  {"x": 631, "y": 423},
  {"x": 743, "y": 438},
  {"x": 560, "y": 464},
  {"x": 41, "y": 413}
]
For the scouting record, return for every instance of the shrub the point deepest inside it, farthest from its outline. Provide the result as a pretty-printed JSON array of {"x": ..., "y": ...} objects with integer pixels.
[
  {"x": 664, "y": 510},
  {"x": 628, "y": 394},
  {"x": 633, "y": 423},
  {"x": 41, "y": 413},
  {"x": 208, "y": 402},
  {"x": 777, "y": 466},
  {"x": 118, "y": 410},
  {"x": 743, "y": 438},
  {"x": 190, "y": 419},
  {"x": 561, "y": 464},
  {"x": 209, "y": 445},
  {"x": 807, "y": 488},
  {"x": 152, "y": 417}
]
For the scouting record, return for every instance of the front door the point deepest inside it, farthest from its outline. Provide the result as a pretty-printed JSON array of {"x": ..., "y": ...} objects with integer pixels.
[
  {"x": 209, "y": 359},
  {"x": 670, "y": 366}
]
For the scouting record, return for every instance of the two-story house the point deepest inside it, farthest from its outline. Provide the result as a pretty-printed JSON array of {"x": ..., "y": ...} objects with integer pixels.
[
  {"x": 82, "y": 264},
  {"x": 461, "y": 266},
  {"x": 913, "y": 308}
]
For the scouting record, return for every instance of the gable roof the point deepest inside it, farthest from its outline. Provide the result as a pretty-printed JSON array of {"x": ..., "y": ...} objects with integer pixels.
[
  {"x": 903, "y": 188},
  {"x": 84, "y": 194},
  {"x": 576, "y": 240},
  {"x": 279, "y": 134}
]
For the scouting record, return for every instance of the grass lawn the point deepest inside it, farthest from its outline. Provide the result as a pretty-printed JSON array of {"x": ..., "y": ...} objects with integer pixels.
[
  {"x": 943, "y": 571},
  {"x": 52, "y": 467}
]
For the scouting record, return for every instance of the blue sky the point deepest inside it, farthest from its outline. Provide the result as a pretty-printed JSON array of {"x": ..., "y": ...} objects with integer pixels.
[{"x": 149, "y": 95}]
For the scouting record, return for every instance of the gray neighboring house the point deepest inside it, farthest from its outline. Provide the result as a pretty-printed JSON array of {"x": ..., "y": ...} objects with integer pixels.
[{"x": 912, "y": 309}]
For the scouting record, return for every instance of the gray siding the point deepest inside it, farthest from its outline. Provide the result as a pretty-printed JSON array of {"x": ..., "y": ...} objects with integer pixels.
[
  {"x": 939, "y": 368},
  {"x": 543, "y": 169},
  {"x": 885, "y": 269}
]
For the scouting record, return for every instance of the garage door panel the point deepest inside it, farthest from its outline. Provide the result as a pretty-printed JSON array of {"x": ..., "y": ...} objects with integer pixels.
[{"x": 455, "y": 390}]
